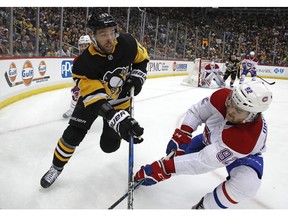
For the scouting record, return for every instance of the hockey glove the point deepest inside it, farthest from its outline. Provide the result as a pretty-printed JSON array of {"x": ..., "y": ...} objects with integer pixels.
[
  {"x": 126, "y": 126},
  {"x": 136, "y": 79},
  {"x": 75, "y": 91},
  {"x": 152, "y": 173},
  {"x": 180, "y": 140}
]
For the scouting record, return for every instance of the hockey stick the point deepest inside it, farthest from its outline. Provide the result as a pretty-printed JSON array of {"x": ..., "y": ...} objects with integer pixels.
[
  {"x": 9, "y": 82},
  {"x": 269, "y": 83},
  {"x": 136, "y": 185},
  {"x": 131, "y": 157},
  {"x": 125, "y": 195},
  {"x": 21, "y": 82}
]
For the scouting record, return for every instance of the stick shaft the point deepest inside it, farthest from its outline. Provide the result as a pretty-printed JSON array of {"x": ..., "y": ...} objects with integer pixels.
[{"x": 131, "y": 157}]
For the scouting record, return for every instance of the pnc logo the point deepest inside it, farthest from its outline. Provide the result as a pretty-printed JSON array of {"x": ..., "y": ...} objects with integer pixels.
[
  {"x": 27, "y": 73},
  {"x": 42, "y": 68},
  {"x": 12, "y": 73}
]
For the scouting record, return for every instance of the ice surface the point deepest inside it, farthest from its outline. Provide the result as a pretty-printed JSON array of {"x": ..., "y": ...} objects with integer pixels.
[{"x": 30, "y": 129}]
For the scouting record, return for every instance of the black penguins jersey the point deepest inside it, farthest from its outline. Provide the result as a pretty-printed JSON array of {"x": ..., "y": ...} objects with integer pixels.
[
  {"x": 232, "y": 65},
  {"x": 101, "y": 76}
]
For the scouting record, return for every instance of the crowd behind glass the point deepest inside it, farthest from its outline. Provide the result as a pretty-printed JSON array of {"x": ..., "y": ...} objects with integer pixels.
[{"x": 167, "y": 33}]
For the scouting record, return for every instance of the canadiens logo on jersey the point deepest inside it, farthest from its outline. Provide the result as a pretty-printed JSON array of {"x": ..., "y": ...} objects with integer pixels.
[
  {"x": 249, "y": 62},
  {"x": 114, "y": 80}
]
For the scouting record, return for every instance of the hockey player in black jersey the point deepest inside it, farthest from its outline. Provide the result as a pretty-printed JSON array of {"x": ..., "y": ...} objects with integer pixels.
[
  {"x": 232, "y": 67},
  {"x": 106, "y": 71}
]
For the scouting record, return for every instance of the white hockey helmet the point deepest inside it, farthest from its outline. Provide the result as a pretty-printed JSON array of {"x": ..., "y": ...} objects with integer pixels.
[
  {"x": 252, "y": 96},
  {"x": 252, "y": 54},
  {"x": 84, "y": 39},
  {"x": 212, "y": 64}
]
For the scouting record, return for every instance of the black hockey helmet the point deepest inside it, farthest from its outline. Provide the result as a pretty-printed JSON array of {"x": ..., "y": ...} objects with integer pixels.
[{"x": 100, "y": 21}]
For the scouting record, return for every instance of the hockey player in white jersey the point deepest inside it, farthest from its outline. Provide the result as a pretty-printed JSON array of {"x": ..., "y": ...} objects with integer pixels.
[
  {"x": 211, "y": 72},
  {"x": 249, "y": 64},
  {"x": 83, "y": 42},
  {"x": 234, "y": 137}
]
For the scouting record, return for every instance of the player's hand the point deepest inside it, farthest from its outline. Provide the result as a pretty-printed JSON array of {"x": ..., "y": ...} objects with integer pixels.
[
  {"x": 75, "y": 93},
  {"x": 152, "y": 173},
  {"x": 180, "y": 140},
  {"x": 136, "y": 80},
  {"x": 126, "y": 126}
]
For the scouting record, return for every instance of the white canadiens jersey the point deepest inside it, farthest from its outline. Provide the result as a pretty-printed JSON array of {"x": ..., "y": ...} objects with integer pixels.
[
  {"x": 249, "y": 63},
  {"x": 215, "y": 70},
  {"x": 224, "y": 142}
]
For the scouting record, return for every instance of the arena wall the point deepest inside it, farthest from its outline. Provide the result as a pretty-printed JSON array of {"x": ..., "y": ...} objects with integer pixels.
[{"x": 21, "y": 78}]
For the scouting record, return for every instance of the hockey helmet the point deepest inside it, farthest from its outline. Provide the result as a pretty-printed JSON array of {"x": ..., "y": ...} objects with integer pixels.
[
  {"x": 252, "y": 96},
  {"x": 100, "y": 21},
  {"x": 252, "y": 54},
  {"x": 84, "y": 39},
  {"x": 212, "y": 64},
  {"x": 233, "y": 57}
]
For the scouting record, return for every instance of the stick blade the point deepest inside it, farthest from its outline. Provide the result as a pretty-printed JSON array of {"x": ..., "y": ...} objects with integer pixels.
[{"x": 8, "y": 80}]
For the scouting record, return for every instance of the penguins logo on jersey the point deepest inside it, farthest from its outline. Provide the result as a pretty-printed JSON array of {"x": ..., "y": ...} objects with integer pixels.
[{"x": 115, "y": 79}]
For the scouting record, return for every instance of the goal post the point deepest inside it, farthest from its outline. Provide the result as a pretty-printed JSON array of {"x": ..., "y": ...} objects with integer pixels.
[{"x": 194, "y": 76}]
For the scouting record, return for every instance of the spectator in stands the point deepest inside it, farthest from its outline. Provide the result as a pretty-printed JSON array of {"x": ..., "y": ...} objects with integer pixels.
[
  {"x": 4, "y": 48},
  {"x": 17, "y": 48},
  {"x": 30, "y": 48},
  {"x": 52, "y": 51},
  {"x": 28, "y": 24},
  {"x": 241, "y": 34},
  {"x": 65, "y": 51}
]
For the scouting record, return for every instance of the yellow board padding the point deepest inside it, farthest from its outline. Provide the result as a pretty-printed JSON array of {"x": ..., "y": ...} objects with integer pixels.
[
  {"x": 165, "y": 75},
  {"x": 24, "y": 95}
]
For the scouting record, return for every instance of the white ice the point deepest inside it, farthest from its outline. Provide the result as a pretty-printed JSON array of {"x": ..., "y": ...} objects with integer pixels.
[{"x": 30, "y": 129}]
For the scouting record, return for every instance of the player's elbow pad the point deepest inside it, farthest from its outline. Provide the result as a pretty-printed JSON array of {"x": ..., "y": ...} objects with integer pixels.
[{"x": 106, "y": 111}]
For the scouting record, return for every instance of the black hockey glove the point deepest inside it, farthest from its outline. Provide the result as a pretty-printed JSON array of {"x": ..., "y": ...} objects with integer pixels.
[
  {"x": 126, "y": 126},
  {"x": 136, "y": 79}
]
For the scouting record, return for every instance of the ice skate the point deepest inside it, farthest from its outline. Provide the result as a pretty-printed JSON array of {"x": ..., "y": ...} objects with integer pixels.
[
  {"x": 68, "y": 113},
  {"x": 199, "y": 205},
  {"x": 50, "y": 176}
]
